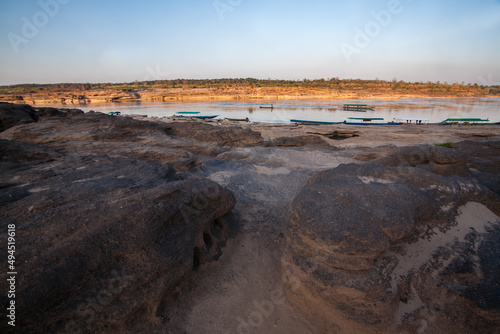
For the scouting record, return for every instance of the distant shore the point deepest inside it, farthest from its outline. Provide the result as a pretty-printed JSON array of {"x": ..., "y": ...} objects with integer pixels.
[{"x": 239, "y": 93}]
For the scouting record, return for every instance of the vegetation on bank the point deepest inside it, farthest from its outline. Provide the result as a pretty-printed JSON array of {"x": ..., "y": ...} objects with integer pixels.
[
  {"x": 341, "y": 85},
  {"x": 448, "y": 144}
]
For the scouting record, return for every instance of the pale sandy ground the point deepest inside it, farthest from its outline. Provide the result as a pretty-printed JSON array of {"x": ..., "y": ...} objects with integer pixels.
[
  {"x": 373, "y": 136},
  {"x": 242, "y": 292}
]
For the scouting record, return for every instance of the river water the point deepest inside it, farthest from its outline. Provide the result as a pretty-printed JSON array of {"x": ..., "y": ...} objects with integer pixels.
[{"x": 436, "y": 110}]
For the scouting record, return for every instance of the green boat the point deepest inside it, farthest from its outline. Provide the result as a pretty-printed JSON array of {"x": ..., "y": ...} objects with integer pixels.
[
  {"x": 464, "y": 121},
  {"x": 197, "y": 116},
  {"x": 188, "y": 112}
]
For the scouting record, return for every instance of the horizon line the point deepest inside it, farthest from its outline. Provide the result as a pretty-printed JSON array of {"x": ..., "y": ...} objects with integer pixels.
[{"x": 251, "y": 78}]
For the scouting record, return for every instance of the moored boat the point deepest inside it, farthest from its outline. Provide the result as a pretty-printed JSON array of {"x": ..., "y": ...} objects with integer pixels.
[
  {"x": 301, "y": 121},
  {"x": 369, "y": 121},
  {"x": 357, "y": 107},
  {"x": 410, "y": 120},
  {"x": 237, "y": 119},
  {"x": 464, "y": 121},
  {"x": 267, "y": 107},
  {"x": 204, "y": 117},
  {"x": 197, "y": 116}
]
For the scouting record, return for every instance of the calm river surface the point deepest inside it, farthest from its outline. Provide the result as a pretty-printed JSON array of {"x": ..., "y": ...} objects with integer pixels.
[{"x": 436, "y": 110}]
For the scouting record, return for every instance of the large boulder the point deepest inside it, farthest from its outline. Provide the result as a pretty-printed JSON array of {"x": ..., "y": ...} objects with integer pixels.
[
  {"x": 208, "y": 133},
  {"x": 72, "y": 131},
  {"x": 56, "y": 112},
  {"x": 299, "y": 141},
  {"x": 373, "y": 247},
  {"x": 338, "y": 134},
  {"x": 102, "y": 240},
  {"x": 483, "y": 160},
  {"x": 441, "y": 160},
  {"x": 179, "y": 144},
  {"x": 15, "y": 114},
  {"x": 479, "y": 159}
]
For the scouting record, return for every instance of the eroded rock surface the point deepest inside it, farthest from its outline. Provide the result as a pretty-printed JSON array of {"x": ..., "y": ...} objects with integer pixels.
[
  {"x": 298, "y": 141},
  {"x": 102, "y": 237},
  {"x": 226, "y": 136},
  {"x": 403, "y": 241},
  {"x": 15, "y": 114},
  {"x": 483, "y": 161},
  {"x": 182, "y": 145},
  {"x": 375, "y": 246}
]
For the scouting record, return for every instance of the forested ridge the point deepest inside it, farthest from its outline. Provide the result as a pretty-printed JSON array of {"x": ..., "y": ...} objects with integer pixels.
[{"x": 334, "y": 84}]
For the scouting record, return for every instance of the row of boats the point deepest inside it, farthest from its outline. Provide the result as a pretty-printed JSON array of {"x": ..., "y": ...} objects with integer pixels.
[
  {"x": 397, "y": 121},
  {"x": 348, "y": 106},
  {"x": 351, "y": 120}
]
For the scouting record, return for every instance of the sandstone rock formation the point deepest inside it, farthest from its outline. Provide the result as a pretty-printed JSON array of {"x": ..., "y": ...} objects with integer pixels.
[
  {"x": 225, "y": 136},
  {"x": 103, "y": 234},
  {"x": 55, "y": 112},
  {"x": 443, "y": 161},
  {"x": 181, "y": 145},
  {"x": 14, "y": 114},
  {"x": 338, "y": 134},
  {"x": 377, "y": 248},
  {"x": 299, "y": 141},
  {"x": 483, "y": 160}
]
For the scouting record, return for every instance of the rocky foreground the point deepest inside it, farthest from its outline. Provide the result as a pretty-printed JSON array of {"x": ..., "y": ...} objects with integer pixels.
[{"x": 162, "y": 226}]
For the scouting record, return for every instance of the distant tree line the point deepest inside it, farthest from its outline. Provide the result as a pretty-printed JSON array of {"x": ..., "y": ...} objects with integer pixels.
[{"x": 330, "y": 83}]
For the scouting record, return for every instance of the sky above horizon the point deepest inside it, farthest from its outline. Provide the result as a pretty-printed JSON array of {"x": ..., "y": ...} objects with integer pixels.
[{"x": 57, "y": 41}]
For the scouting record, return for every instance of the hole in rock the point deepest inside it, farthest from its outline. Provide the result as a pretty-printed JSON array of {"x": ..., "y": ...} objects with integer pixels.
[
  {"x": 196, "y": 258},
  {"x": 208, "y": 240}
]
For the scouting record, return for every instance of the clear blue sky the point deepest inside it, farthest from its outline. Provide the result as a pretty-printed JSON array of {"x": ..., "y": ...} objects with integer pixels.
[{"x": 124, "y": 40}]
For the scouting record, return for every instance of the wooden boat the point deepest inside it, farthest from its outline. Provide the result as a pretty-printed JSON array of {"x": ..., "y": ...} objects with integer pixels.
[
  {"x": 204, "y": 117},
  {"x": 197, "y": 116},
  {"x": 357, "y": 107},
  {"x": 267, "y": 107},
  {"x": 237, "y": 119},
  {"x": 464, "y": 121},
  {"x": 369, "y": 121},
  {"x": 301, "y": 121},
  {"x": 188, "y": 112}
]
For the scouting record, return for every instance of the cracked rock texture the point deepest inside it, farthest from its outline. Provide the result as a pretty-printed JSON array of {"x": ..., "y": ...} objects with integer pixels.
[
  {"x": 104, "y": 229},
  {"x": 376, "y": 247}
]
